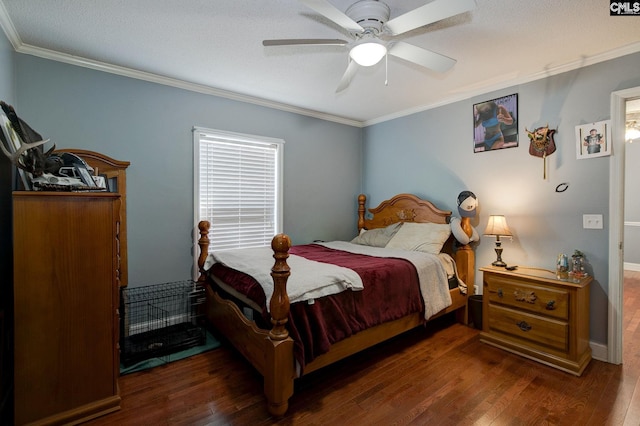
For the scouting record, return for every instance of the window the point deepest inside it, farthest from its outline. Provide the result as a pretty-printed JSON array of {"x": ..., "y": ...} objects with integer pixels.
[{"x": 238, "y": 186}]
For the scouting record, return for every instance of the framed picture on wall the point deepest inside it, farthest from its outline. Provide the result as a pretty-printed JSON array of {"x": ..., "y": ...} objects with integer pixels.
[
  {"x": 495, "y": 124},
  {"x": 593, "y": 140}
]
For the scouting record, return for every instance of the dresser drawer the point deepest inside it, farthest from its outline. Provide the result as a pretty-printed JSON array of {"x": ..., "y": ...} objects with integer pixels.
[
  {"x": 545, "y": 333},
  {"x": 520, "y": 295}
]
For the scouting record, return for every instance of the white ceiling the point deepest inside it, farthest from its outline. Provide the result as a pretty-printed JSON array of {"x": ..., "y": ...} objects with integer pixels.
[{"x": 214, "y": 46}]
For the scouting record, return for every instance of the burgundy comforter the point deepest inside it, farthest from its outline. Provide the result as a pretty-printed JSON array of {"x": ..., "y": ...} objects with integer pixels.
[{"x": 391, "y": 291}]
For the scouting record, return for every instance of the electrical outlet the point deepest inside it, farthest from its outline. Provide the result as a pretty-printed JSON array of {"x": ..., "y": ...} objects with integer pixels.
[{"x": 592, "y": 221}]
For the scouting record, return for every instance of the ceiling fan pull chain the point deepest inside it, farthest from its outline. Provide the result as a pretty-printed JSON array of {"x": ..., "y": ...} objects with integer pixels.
[{"x": 386, "y": 69}]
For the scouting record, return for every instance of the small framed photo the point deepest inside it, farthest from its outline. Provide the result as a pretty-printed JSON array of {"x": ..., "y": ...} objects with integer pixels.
[
  {"x": 495, "y": 124},
  {"x": 102, "y": 182},
  {"x": 85, "y": 176},
  {"x": 593, "y": 140}
]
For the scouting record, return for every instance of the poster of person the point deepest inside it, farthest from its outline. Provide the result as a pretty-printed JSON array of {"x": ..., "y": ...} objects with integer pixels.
[
  {"x": 495, "y": 124},
  {"x": 593, "y": 140}
]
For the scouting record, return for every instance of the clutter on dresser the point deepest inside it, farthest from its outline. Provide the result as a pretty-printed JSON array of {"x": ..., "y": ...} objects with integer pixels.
[
  {"x": 72, "y": 174},
  {"x": 42, "y": 170}
]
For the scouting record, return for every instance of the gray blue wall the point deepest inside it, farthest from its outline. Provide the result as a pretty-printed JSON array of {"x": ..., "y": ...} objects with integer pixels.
[
  {"x": 431, "y": 154},
  {"x": 150, "y": 126},
  {"x": 7, "y": 62},
  {"x": 327, "y": 164}
]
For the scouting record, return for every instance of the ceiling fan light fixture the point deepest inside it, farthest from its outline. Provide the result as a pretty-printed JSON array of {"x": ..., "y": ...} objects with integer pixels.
[
  {"x": 632, "y": 134},
  {"x": 632, "y": 131},
  {"x": 368, "y": 53}
]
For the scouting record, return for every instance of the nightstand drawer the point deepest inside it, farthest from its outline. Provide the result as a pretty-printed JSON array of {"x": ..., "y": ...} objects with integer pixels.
[
  {"x": 535, "y": 330},
  {"x": 532, "y": 313},
  {"x": 544, "y": 300}
]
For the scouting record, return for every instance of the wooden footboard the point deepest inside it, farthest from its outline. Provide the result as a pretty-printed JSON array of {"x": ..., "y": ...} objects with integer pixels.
[{"x": 271, "y": 351}]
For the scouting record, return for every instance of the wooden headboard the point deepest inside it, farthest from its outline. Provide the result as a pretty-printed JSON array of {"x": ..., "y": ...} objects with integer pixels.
[
  {"x": 116, "y": 173},
  {"x": 409, "y": 208},
  {"x": 400, "y": 208}
]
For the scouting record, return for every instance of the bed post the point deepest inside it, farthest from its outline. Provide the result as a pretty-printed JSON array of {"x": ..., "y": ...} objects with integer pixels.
[
  {"x": 203, "y": 242},
  {"x": 270, "y": 353},
  {"x": 465, "y": 256},
  {"x": 280, "y": 371},
  {"x": 279, "y": 303},
  {"x": 361, "y": 211},
  {"x": 466, "y": 261}
]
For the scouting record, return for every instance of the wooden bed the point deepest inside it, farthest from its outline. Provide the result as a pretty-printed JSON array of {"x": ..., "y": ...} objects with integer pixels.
[{"x": 271, "y": 351}]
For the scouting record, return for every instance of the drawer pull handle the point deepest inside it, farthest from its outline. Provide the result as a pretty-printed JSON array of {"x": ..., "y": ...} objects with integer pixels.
[
  {"x": 551, "y": 305},
  {"x": 525, "y": 296},
  {"x": 500, "y": 294},
  {"x": 523, "y": 326}
]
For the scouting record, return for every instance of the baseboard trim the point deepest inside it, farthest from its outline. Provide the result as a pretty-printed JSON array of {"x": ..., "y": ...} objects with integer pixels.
[
  {"x": 599, "y": 351},
  {"x": 628, "y": 266}
]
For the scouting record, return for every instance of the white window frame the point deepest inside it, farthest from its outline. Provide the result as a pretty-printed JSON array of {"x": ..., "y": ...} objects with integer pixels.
[{"x": 236, "y": 138}]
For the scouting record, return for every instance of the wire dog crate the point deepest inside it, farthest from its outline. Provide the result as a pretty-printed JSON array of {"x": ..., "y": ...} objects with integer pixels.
[{"x": 161, "y": 319}]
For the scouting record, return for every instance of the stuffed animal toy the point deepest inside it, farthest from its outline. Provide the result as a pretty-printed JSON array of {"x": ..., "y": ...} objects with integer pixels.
[{"x": 461, "y": 228}]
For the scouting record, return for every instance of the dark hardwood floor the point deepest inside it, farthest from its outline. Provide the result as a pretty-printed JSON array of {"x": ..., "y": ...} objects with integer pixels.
[{"x": 438, "y": 375}]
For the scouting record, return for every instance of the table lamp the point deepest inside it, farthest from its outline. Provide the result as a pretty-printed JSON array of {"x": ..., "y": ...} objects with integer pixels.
[{"x": 498, "y": 227}]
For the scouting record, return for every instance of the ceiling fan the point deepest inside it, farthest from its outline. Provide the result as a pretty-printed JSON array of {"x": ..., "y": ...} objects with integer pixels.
[{"x": 368, "y": 23}]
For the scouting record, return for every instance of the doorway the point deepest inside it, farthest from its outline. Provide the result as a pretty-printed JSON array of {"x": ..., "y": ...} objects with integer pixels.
[{"x": 616, "y": 222}]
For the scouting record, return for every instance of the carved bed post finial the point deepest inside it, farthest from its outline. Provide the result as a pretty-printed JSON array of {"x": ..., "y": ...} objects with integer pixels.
[
  {"x": 361, "y": 211},
  {"x": 279, "y": 303},
  {"x": 203, "y": 242}
]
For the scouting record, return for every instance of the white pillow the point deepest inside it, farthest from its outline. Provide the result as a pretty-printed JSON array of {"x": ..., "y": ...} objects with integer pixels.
[
  {"x": 425, "y": 237},
  {"x": 378, "y": 237}
]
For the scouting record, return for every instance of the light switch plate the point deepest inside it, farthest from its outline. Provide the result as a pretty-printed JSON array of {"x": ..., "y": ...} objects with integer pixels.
[{"x": 592, "y": 221}]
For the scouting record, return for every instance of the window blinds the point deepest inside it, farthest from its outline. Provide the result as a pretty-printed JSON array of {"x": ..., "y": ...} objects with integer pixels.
[{"x": 239, "y": 189}]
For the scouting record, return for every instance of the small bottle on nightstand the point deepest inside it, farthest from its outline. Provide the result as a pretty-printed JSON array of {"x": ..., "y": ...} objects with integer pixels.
[{"x": 562, "y": 268}]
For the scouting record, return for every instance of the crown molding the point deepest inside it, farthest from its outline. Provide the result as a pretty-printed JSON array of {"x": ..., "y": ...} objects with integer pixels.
[
  {"x": 173, "y": 82},
  {"x": 20, "y": 47},
  {"x": 460, "y": 95},
  {"x": 7, "y": 26},
  {"x": 481, "y": 89}
]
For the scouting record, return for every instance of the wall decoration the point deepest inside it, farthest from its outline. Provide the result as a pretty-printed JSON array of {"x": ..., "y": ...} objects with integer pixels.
[
  {"x": 593, "y": 140},
  {"x": 495, "y": 124},
  {"x": 541, "y": 144}
]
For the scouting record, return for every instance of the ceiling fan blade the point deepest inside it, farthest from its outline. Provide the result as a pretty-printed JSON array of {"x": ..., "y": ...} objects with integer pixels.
[
  {"x": 427, "y": 14},
  {"x": 347, "y": 76},
  {"x": 331, "y": 12},
  {"x": 305, "y": 41},
  {"x": 423, "y": 57}
]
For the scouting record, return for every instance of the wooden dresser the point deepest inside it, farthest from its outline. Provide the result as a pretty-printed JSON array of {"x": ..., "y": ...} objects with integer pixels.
[
  {"x": 531, "y": 313},
  {"x": 66, "y": 261}
]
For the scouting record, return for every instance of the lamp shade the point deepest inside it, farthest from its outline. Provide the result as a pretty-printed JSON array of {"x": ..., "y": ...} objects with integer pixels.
[
  {"x": 497, "y": 226},
  {"x": 368, "y": 53}
]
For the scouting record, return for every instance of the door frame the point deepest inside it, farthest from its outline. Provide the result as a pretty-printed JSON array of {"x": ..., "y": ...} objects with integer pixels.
[{"x": 616, "y": 222}]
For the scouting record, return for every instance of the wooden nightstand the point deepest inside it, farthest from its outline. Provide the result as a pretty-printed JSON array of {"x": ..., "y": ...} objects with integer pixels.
[{"x": 531, "y": 313}]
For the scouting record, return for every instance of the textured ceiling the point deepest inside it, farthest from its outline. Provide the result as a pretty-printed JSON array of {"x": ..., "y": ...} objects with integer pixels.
[{"x": 215, "y": 46}]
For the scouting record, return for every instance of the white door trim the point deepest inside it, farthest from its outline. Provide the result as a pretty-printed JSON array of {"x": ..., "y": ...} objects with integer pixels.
[{"x": 616, "y": 222}]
